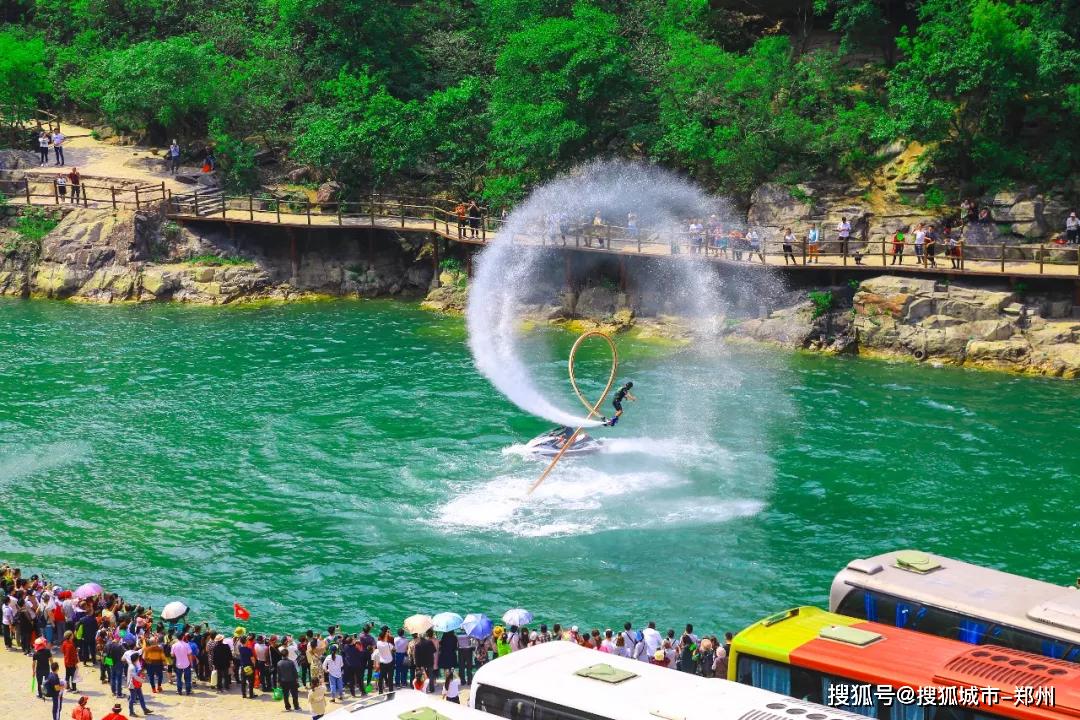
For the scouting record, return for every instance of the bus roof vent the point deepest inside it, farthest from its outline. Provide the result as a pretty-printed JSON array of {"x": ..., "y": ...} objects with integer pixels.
[
  {"x": 424, "y": 713},
  {"x": 1056, "y": 614},
  {"x": 605, "y": 673},
  {"x": 795, "y": 711},
  {"x": 849, "y": 635},
  {"x": 1006, "y": 669},
  {"x": 867, "y": 567},
  {"x": 915, "y": 561}
]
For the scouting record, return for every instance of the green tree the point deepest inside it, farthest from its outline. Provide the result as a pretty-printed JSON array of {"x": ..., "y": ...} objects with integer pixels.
[
  {"x": 162, "y": 85},
  {"x": 559, "y": 95},
  {"x": 979, "y": 76},
  {"x": 736, "y": 120},
  {"x": 23, "y": 77}
]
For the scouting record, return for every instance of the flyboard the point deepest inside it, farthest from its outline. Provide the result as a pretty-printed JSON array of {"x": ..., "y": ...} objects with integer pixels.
[{"x": 569, "y": 443}]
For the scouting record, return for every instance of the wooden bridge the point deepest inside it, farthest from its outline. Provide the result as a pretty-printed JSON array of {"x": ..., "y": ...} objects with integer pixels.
[{"x": 437, "y": 218}]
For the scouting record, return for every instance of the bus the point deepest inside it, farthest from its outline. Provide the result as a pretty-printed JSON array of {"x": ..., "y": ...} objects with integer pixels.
[
  {"x": 889, "y": 673},
  {"x": 404, "y": 705},
  {"x": 953, "y": 599},
  {"x": 563, "y": 681}
]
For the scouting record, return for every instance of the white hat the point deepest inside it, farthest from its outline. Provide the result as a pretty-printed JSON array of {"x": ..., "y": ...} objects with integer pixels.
[{"x": 573, "y": 629}]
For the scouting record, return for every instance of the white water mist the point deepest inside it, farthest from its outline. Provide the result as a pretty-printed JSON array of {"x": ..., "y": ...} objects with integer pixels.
[{"x": 506, "y": 271}]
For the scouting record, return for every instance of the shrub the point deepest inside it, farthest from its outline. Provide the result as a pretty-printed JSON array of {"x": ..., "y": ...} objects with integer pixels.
[{"x": 823, "y": 301}]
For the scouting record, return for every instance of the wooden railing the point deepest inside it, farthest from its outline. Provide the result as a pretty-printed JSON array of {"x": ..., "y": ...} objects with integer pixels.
[
  {"x": 88, "y": 194},
  {"x": 439, "y": 217}
]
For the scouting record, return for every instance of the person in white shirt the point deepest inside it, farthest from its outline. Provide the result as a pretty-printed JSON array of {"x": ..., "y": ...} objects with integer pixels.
[
  {"x": 58, "y": 146},
  {"x": 451, "y": 688},
  {"x": 181, "y": 653},
  {"x": 384, "y": 653},
  {"x": 334, "y": 665},
  {"x": 401, "y": 651},
  {"x": 43, "y": 148},
  {"x": 9, "y": 622},
  {"x": 1072, "y": 229}
]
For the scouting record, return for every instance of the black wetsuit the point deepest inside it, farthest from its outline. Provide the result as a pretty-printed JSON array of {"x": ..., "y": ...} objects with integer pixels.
[{"x": 620, "y": 395}]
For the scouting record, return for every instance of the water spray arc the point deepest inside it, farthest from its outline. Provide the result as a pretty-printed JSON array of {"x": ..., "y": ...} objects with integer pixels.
[{"x": 591, "y": 407}]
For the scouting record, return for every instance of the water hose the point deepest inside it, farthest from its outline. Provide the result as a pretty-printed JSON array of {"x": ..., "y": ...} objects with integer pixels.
[{"x": 593, "y": 407}]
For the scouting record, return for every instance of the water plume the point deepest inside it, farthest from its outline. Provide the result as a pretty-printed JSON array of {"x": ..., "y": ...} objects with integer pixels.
[{"x": 513, "y": 272}]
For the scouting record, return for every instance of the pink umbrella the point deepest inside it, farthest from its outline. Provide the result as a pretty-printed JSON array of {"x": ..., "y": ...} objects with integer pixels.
[{"x": 89, "y": 590}]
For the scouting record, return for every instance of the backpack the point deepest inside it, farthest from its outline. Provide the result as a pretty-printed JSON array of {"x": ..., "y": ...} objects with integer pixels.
[{"x": 58, "y": 614}]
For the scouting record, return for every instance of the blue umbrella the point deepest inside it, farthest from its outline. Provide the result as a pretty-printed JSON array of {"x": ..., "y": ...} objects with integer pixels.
[
  {"x": 518, "y": 617},
  {"x": 477, "y": 625},
  {"x": 447, "y": 621}
]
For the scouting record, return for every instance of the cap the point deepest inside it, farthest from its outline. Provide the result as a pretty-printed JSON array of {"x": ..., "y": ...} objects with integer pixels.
[
  {"x": 117, "y": 708},
  {"x": 573, "y": 628}
]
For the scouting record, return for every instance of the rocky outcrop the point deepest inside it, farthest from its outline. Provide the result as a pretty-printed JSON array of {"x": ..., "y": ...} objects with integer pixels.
[
  {"x": 108, "y": 256},
  {"x": 932, "y": 320}
]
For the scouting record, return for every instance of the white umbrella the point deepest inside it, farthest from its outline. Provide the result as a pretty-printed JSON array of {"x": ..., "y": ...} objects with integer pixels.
[
  {"x": 517, "y": 616},
  {"x": 174, "y": 610},
  {"x": 418, "y": 624},
  {"x": 447, "y": 621}
]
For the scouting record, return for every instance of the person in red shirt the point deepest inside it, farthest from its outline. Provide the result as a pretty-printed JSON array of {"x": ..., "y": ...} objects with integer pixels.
[
  {"x": 71, "y": 660},
  {"x": 115, "y": 714},
  {"x": 81, "y": 712}
]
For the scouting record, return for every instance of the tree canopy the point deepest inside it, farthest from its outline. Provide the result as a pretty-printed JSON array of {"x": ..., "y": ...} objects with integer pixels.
[{"x": 493, "y": 96}]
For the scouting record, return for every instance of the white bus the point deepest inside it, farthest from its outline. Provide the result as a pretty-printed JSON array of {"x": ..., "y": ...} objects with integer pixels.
[
  {"x": 958, "y": 600},
  {"x": 405, "y": 705},
  {"x": 563, "y": 681}
]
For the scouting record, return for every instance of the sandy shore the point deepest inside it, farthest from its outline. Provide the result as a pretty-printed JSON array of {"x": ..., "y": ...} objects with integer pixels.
[{"x": 17, "y": 702}]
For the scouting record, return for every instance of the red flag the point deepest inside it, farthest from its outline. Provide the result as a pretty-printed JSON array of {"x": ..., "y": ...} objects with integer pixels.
[{"x": 240, "y": 612}]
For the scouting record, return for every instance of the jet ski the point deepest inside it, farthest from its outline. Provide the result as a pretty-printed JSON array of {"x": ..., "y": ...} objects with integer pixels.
[{"x": 550, "y": 443}]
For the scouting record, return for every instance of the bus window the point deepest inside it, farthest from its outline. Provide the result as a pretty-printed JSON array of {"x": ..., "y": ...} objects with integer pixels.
[
  {"x": 501, "y": 703},
  {"x": 835, "y": 691},
  {"x": 549, "y": 711},
  {"x": 764, "y": 674}
]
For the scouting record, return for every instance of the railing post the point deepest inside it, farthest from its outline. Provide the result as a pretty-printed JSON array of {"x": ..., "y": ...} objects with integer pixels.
[
  {"x": 1042, "y": 257},
  {"x": 804, "y": 243},
  {"x": 483, "y": 229},
  {"x": 56, "y": 193},
  {"x": 113, "y": 191},
  {"x": 339, "y": 213},
  {"x": 372, "y": 211},
  {"x": 844, "y": 247},
  {"x": 883, "y": 251},
  {"x": 224, "y": 199},
  {"x": 251, "y": 207},
  {"x": 26, "y": 182},
  {"x": 85, "y": 194},
  {"x": 639, "y": 241},
  {"x": 136, "y": 197},
  {"x": 277, "y": 209},
  {"x": 163, "y": 190},
  {"x": 1002, "y": 257},
  {"x": 308, "y": 212},
  {"x": 196, "y": 203}
]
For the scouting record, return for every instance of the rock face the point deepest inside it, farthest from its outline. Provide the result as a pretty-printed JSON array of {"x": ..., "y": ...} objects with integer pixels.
[
  {"x": 106, "y": 256},
  {"x": 932, "y": 320}
]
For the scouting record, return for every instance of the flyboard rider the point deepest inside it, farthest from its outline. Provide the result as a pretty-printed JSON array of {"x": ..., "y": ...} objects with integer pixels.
[{"x": 621, "y": 394}]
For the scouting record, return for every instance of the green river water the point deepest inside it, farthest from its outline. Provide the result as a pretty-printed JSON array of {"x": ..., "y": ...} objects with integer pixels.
[{"x": 343, "y": 461}]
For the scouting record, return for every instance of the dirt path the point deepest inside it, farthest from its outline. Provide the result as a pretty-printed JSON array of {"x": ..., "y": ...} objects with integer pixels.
[{"x": 98, "y": 159}]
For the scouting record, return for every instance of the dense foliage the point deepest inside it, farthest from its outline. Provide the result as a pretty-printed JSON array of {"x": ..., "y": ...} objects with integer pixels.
[{"x": 493, "y": 96}]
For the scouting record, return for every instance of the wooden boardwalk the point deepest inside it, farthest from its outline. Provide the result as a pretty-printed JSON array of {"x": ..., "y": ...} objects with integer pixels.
[{"x": 436, "y": 218}]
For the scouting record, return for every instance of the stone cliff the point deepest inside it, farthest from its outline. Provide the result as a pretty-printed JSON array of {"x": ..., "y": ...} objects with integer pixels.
[
  {"x": 105, "y": 256},
  {"x": 999, "y": 328}
]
